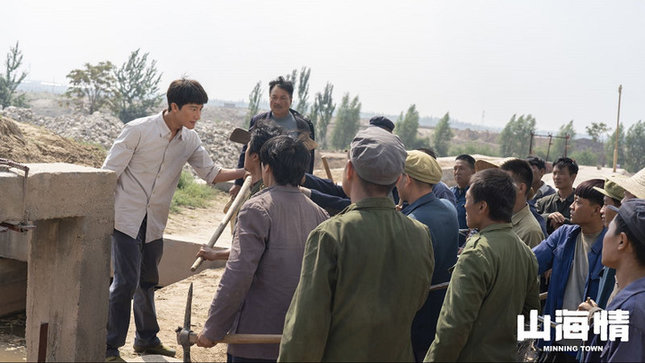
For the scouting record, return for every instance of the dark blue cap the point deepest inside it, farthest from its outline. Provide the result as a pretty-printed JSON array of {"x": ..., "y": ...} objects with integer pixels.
[
  {"x": 632, "y": 211},
  {"x": 382, "y": 122}
]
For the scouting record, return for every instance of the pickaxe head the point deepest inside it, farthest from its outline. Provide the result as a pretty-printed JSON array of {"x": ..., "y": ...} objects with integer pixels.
[{"x": 184, "y": 334}]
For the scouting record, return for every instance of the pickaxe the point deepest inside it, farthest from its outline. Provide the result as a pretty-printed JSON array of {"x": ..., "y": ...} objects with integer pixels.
[{"x": 186, "y": 337}]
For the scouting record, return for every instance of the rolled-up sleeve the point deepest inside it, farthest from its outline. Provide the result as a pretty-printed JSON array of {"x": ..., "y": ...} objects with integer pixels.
[
  {"x": 248, "y": 246},
  {"x": 203, "y": 165}
]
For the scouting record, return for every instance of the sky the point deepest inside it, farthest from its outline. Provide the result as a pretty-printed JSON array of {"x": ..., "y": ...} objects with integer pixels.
[{"x": 481, "y": 61}]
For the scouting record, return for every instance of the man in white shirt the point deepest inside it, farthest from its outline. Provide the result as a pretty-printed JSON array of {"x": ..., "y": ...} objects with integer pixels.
[{"x": 148, "y": 157}]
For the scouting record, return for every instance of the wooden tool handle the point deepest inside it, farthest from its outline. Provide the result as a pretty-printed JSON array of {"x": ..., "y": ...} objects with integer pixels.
[
  {"x": 237, "y": 203},
  {"x": 327, "y": 170}
]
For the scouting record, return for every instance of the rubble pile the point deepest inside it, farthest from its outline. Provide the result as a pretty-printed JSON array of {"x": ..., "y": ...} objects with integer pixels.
[{"x": 101, "y": 129}]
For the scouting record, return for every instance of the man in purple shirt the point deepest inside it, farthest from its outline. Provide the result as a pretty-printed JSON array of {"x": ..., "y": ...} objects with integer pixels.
[{"x": 263, "y": 269}]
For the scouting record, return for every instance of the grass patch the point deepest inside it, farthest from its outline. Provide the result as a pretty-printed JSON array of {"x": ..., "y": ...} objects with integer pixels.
[{"x": 190, "y": 194}]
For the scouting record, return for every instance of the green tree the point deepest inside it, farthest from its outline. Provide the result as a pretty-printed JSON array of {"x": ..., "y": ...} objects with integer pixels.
[
  {"x": 407, "y": 128},
  {"x": 585, "y": 157},
  {"x": 597, "y": 131},
  {"x": 516, "y": 136},
  {"x": 609, "y": 147},
  {"x": 11, "y": 79},
  {"x": 560, "y": 142},
  {"x": 254, "y": 102},
  {"x": 347, "y": 122},
  {"x": 303, "y": 90},
  {"x": 442, "y": 136},
  {"x": 321, "y": 113},
  {"x": 137, "y": 87},
  {"x": 91, "y": 88},
  {"x": 635, "y": 147}
]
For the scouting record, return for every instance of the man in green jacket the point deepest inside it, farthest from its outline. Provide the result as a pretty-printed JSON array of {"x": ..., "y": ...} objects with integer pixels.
[
  {"x": 366, "y": 271},
  {"x": 495, "y": 279}
]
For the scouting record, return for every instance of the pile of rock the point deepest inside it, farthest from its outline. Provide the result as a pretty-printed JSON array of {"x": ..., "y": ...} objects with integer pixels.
[{"x": 102, "y": 129}]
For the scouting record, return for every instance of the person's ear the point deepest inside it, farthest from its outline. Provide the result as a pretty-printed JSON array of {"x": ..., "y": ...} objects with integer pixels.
[
  {"x": 174, "y": 107},
  {"x": 623, "y": 242}
]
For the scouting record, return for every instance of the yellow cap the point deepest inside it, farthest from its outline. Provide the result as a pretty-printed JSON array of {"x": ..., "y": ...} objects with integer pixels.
[{"x": 422, "y": 167}]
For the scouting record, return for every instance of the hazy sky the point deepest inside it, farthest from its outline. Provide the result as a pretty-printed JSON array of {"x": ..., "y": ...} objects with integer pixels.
[{"x": 557, "y": 60}]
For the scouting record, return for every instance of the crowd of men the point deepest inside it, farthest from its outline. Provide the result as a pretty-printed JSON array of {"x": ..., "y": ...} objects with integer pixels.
[{"x": 405, "y": 269}]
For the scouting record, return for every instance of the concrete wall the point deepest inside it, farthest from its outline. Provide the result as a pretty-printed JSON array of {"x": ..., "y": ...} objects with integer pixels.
[{"x": 68, "y": 254}]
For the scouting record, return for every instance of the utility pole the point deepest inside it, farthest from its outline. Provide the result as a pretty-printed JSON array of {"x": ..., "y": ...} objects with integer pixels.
[{"x": 620, "y": 91}]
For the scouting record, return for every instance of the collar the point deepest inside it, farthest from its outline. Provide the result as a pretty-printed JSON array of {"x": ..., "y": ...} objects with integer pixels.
[
  {"x": 428, "y": 198},
  {"x": 284, "y": 188},
  {"x": 517, "y": 217},
  {"x": 164, "y": 130},
  {"x": 569, "y": 198},
  {"x": 625, "y": 293},
  {"x": 371, "y": 203},
  {"x": 496, "y": 227}
]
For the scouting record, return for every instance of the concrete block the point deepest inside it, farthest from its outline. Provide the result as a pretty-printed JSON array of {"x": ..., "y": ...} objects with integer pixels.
[
  {"x": 178, "y": 257},
  {"x": 68, "y": 254},
  {"x": 15, "y": 245}
]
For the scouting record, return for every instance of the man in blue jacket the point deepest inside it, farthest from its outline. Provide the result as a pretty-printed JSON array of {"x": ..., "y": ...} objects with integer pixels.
[
  {"x": 574, "y": 253},
  {"x": 416, "y": 185}
]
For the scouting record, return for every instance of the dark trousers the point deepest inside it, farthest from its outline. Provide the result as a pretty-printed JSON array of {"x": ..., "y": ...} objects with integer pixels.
[
  {"x": 234, "y": 359},
  {"x": 135, "y": 276}
]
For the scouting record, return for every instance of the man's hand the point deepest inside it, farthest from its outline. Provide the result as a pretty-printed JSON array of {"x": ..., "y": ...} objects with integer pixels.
[
  {"x": 211, "y": 254},
  {"x": 305, "y": 191},
  {"x": 557, "y": 217},
  {"x": 587, "y": 305},
  {"x": 204, "y": 342},
  {"x": 234, "y": 190}
]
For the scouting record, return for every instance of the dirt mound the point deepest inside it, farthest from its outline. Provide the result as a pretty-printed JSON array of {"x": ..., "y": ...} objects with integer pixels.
[{"x": 25, "y": 143}]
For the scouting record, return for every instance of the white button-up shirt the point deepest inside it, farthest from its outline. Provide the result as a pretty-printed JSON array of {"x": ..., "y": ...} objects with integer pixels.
[{"x": 148, "y": 164}]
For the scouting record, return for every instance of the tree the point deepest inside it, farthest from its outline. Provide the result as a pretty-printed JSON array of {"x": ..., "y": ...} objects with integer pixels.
[
  {"x": 137, "y": 87},
  {"x": 292, "y": 77},
  {"x": 407, "y": 128},
  {"x": 559, "y": 143},
  {"x": 10, "y": 81},
  {"x": 91, "y": 88},
  {"x": 609, "y": 147},
  {"x": 442, "y": 136},
  {"x": 516, "y": 135},
  {"x": 635, "y": 147},
  {"x": 597, "y": 131},
  {"x": 254, "y": 101},
  {"x": 303, "y": 90},
  {"x": 321, "y": 113},
  {"x": 347, "y": 122}
]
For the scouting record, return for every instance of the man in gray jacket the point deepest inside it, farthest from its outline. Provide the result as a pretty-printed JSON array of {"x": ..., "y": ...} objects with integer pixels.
[{"x": 263, "y": 269}]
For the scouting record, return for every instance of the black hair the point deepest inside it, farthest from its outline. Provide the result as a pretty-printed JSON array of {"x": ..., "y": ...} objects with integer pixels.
[
  {"x": 467, "y": 158},
  {"x": 639, "y": 246},
  {"x": 496, "y": 188},
  {"x": 375, "y": 189},
  {"x": 283, "y": 84},
  {"x": 586, "y": 190},
  {"x": 536, "y": 161},
  {"x": 287, "y": 157},
  {"x": 184, "y": 91},
  {"x": 568, "y": 163},
  {"x": 260, "y": 134},
  {"x": 522, "y": 172},
  {"x": 428, "y": 150}
]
